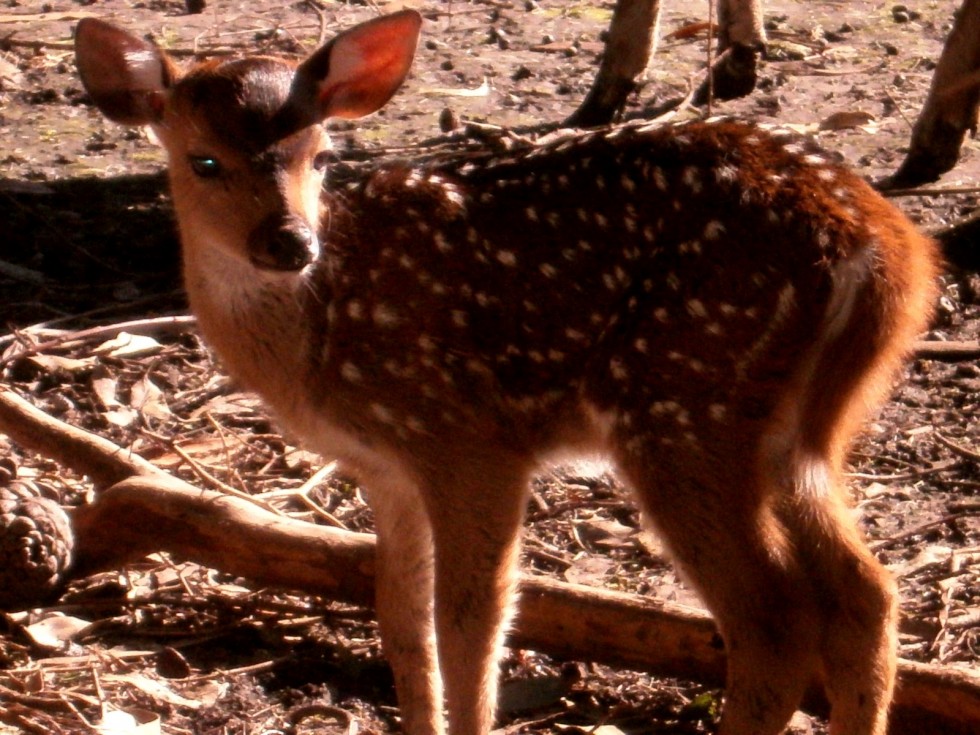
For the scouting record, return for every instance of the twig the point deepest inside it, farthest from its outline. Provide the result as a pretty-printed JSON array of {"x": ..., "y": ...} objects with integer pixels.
[
  {"x": 904, "y": 477},
  {"x": 39, "y": 45},
  {"x": 921, "y": 528},
  {"x": 318, "y": 9},
  {"x": 220, "y": 673},
  {"x": 72, "y": 339},
  {"x": 958, "y": 449},
  {"x": 303, "y": 494},
  {"x": 22, "y": 274},
  {"x": 931, "y": 191}
]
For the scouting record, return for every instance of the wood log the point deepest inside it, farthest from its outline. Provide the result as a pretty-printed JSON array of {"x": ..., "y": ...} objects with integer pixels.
[
  {"x": 947, "y": 351},
  {"x": 152, "y": 511}
]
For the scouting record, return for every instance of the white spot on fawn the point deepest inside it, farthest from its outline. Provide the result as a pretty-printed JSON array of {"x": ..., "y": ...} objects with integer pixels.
[
  {"x": 726, "y": 174},
  {"x": 713, "y": 230},
  {"x": 350, "y": 372},
  {"x": 384, "y": 315},
  {"x": 692, "y": 178},
  {"x": 618, "y": 370},
  {"x": 383, "y": 413},
  {"x": 415, "y": 424},
  {"x": 443, "y": 245},
  {"x": 355, "y": 310},
  {"x": 696, "y": 308},
  {"x": 507, "y": 257}
]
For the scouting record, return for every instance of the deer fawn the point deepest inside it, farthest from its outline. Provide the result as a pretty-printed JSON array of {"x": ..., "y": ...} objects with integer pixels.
[{"x": 712, "y": 306}]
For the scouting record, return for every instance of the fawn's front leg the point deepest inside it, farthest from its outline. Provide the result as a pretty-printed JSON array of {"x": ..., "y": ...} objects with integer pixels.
[
  {"x": 476, "y": 521},
  {"x": 404, "y": 595}
]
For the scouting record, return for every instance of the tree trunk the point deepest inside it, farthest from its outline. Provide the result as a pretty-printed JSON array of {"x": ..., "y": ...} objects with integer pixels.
[{"x": 950, "y": 109}]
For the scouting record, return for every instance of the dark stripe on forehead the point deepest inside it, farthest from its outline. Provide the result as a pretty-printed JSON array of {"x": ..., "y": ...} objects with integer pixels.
[{"x": 242, "y": 101}]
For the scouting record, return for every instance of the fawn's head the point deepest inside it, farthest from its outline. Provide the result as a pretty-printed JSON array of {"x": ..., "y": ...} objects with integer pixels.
[{"x": 246, "y": 149}]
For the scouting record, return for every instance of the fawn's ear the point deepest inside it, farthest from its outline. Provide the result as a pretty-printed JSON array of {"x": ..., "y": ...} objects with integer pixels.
[
  {"x": 125, "y": 75},
  {"x": 359, "y": 70}
]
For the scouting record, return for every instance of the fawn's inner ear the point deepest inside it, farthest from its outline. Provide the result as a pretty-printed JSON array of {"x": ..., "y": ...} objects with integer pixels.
[
  {"x": 359, "y": 70},
  {"x": 125, "y": 75}
]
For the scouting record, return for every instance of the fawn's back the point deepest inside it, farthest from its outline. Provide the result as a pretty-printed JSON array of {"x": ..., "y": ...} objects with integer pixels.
[
  {"x": 668, "y": 279},
  {"x": 712, "y": 306}
]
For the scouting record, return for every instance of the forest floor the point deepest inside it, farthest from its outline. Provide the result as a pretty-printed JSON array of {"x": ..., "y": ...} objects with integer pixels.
[{"x": 87, "y": 239}]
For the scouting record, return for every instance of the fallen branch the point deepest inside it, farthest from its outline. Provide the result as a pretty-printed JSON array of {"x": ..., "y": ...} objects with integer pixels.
[
  {"x": 140, "y": 509},
  {"x": 947, "y": 351}
]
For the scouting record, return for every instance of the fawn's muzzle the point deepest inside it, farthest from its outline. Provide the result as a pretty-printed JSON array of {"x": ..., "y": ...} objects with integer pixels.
[{"x": 283, "y": 244}]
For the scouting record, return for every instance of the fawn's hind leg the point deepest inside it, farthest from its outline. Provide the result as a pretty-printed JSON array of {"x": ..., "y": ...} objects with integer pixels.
[
  {"x": 857, "y": 601},
  {"x": 476, "y": 522},
  {"x": 714, "y": 510},
  {"x": 404, "y": 594}
]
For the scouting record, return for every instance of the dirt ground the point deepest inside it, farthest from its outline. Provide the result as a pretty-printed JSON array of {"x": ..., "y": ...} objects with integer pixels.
[{"x": 86, "y": 239}]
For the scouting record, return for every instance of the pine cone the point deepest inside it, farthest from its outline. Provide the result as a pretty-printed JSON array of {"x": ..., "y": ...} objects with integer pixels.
[{"x": 35, "y": 548}]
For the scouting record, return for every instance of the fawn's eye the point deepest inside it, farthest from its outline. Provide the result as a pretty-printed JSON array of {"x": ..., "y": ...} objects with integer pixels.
[
  {"x": 321, "y": 159},
  {"x": 206, "y": 167}
]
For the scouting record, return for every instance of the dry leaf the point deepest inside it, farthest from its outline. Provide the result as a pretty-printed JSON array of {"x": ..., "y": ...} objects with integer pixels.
[
  {"x": 482, "y": 91},
  {"x": 56, "y": 631},
  {"x": 149, "y": 400},
  {"x": 129, "y": 722},
  {"x": 121, "y": 416},
  {"x": 202, "y": 450},
  {"x": 10, "y": 76},
  {"x": 104, "y": 386},
  {"x": 606, "y": 534},
  {"x": 125, "y": 344},
  {"x": 57, "y": 363},
  {"x": 589, "y": 570},
  {"x": 156, "y": 689},
  {"x": 846, "y": 120}
]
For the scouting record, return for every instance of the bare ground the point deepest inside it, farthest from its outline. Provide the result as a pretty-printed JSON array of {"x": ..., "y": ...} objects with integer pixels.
[{"x": 86, "y": 239}]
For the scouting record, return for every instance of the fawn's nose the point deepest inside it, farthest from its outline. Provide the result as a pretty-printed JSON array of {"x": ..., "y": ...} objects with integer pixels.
[{"x": 283, "y": 244}]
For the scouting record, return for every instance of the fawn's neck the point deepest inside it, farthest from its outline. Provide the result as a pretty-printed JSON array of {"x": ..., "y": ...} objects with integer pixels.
[
  {"x": 256, "y": 322},
  {"x": 268, "y": 329}
]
